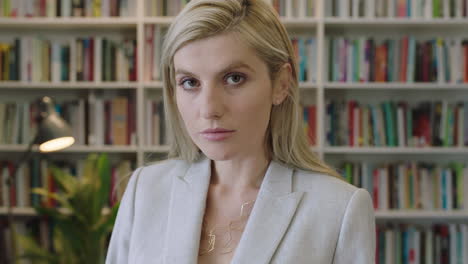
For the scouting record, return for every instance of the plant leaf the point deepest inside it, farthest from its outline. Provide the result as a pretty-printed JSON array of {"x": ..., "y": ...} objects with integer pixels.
[
  {"x": 102, "y": 179},
  {"x": 79, "y": 234},
  {"x": 56, "y": 196},
  {"x": 33, "y": 251},
  {"x": 52, "y": 213},
  {"x": 65, "y": 181},
  {"x": 106, "y": 223}
]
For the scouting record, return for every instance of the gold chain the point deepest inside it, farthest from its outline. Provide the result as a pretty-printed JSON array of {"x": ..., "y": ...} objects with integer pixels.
[{"x": 221, "y": 238}]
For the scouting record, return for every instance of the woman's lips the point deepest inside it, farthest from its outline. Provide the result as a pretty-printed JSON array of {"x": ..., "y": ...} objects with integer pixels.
[{"x": 217, "y": 135}]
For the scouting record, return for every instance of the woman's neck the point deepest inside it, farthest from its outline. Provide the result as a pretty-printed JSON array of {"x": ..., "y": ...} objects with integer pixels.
[{"x": 239, "y": 174}]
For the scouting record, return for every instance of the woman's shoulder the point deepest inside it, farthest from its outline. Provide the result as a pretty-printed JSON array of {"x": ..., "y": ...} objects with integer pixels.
[
  {"x": 160, "y": 171},
  {"x": 331, "y": 194},
  {"x": 324, "y": 186},
  {"x": 321, "y": 180},
  {"x": 164, "y": 165}
]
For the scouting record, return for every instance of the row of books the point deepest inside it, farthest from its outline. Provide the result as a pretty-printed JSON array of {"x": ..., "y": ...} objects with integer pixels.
[
  {"x": 35, "y": 59},
  {"x": 285, "y": 8},
  {"x": 411, "y": 185},
  {"x": 290, "y": 8},
  {"x": 153, "y": 43},
  {"x": 119, "y": 126},
  {"x": 40, "y": 229},
  {"x": 96, "y": 121},
  {"x": 396, "y": 124},
  {"x": 405, "y": 59},
  {"x": 305, "y": 49},
  {"x": 67, "y": 8},
  {"x": 306, "y": 53},
  {"x": 155, "y": 133},
  {"x": 428, "y": 244},
  {"x": 37, "y": 174},
  {"x": 310, "y": 123},
  {"x": 427, "y": 9},
  {"x": 16, "y": 117},
  {"x": 164, "y": 7},
  {"x": 295, "y": 8}
]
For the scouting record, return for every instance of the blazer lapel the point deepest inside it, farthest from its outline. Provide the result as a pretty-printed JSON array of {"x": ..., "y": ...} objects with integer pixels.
[
  {"x": 270, "y": 217},
  {"x": 273, "y": 211},
  {"x": 188, "y": 201}
]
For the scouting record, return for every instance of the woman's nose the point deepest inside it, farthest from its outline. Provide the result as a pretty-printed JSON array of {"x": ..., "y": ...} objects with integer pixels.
[{"x": 212, "y": 103}]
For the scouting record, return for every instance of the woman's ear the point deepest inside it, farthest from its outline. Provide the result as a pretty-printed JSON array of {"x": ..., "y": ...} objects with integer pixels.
[{"x": 281, "y": 84}]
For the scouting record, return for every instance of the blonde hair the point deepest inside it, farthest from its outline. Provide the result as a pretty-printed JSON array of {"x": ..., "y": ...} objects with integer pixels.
[{"x": 256, "y": 23}]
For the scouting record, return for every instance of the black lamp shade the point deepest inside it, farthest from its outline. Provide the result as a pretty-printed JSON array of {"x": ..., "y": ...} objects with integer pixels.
[{"x": 53, "y": 134}]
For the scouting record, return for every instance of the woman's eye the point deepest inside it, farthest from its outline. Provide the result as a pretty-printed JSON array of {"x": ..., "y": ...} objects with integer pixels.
[
  {"x": 188, "y": 84},
  {"x": 235, "y": 79}
]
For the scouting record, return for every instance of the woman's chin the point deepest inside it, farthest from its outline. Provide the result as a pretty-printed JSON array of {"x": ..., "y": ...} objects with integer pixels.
[{"x": 217, "y": 154}]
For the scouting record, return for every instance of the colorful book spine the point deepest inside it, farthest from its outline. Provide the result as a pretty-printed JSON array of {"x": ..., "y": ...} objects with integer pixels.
[
  {"x": 398, "y": 60},
  {"x": 399, "y": 123},
  {"x": 67, "y": 8},
  {"x": 447, "y": 9}
]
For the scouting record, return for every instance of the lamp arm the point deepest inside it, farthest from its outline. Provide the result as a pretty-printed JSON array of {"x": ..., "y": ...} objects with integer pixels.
[
  {"x": 10, "y": 180},
  {"x": 26, "y": 155}
]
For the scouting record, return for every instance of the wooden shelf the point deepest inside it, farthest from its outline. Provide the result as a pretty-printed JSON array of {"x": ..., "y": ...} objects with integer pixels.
[
  {"x": 439, "y": 215},
  {"x": 336, "y": 22},
  {"x": 309, "y": 22},
  {"x": 307, "y": 86},
  {"x": 403, "y": 215},
  {"x": 30, "y": 212},
  {"x": 158, "y": 85},
  {"x": 153, "y": 85},
  {"x": 348, "y": 22},
  {"x": 67, "y": 23},
  {"x": 18, "y": 211},
  {"x": 156, "y": 149},
  {"x": 165, "y": 21},
  {"x": 395, "y": 86},
  {"x": 395, "y": 150},
  {"x": 75, "y": 149},
  {"x": 67, "y": 85},
  {"x": 288, "y": 22}
]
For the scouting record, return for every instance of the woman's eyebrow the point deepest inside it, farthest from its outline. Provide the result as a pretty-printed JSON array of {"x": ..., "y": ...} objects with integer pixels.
[
  {"x": 233, "y": 65},
  {"x": 237, "y": 64}
]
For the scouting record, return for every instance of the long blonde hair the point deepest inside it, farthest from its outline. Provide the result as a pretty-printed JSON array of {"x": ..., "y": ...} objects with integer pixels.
[{"x": 256, "y": 23}]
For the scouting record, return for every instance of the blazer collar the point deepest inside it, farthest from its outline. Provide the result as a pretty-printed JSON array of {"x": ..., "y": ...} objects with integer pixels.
[{"x": 273, "y": 210}]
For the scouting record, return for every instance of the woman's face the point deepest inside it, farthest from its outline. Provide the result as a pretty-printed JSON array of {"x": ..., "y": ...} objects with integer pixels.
[{"x": 224, "y": 96}]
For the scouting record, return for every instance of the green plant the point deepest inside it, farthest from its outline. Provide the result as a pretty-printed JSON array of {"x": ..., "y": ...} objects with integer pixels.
[{"x": 81, "y": 228}]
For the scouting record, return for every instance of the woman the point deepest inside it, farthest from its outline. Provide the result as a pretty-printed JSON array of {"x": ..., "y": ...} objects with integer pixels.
[{"x": 241, "y": 184}]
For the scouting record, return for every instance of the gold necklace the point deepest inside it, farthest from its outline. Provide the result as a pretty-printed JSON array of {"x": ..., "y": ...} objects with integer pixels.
[{"x": 220, "y": 239}]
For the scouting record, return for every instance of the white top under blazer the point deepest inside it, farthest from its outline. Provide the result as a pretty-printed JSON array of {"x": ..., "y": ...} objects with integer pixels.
[{"x": 298, "y": 217}]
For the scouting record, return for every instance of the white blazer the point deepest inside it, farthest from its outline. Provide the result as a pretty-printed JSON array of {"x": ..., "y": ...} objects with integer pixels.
[{"x": 298, "y": 217}]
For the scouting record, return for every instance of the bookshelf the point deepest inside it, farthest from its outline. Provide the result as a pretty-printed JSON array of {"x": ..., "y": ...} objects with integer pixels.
[
  {"x": 30, "y": 212},
  {"x": 75, "y": 22},
  {"x": 77, "y": 149},
  {"x": 318, "y": 24},
  {"x": 395, "y": 86},
  {"x": 415, "y": 216},
  {"x": 395, "y": 150},
  {"x": 439, "y": 23},
  {"x": 320, "y": 27}
]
